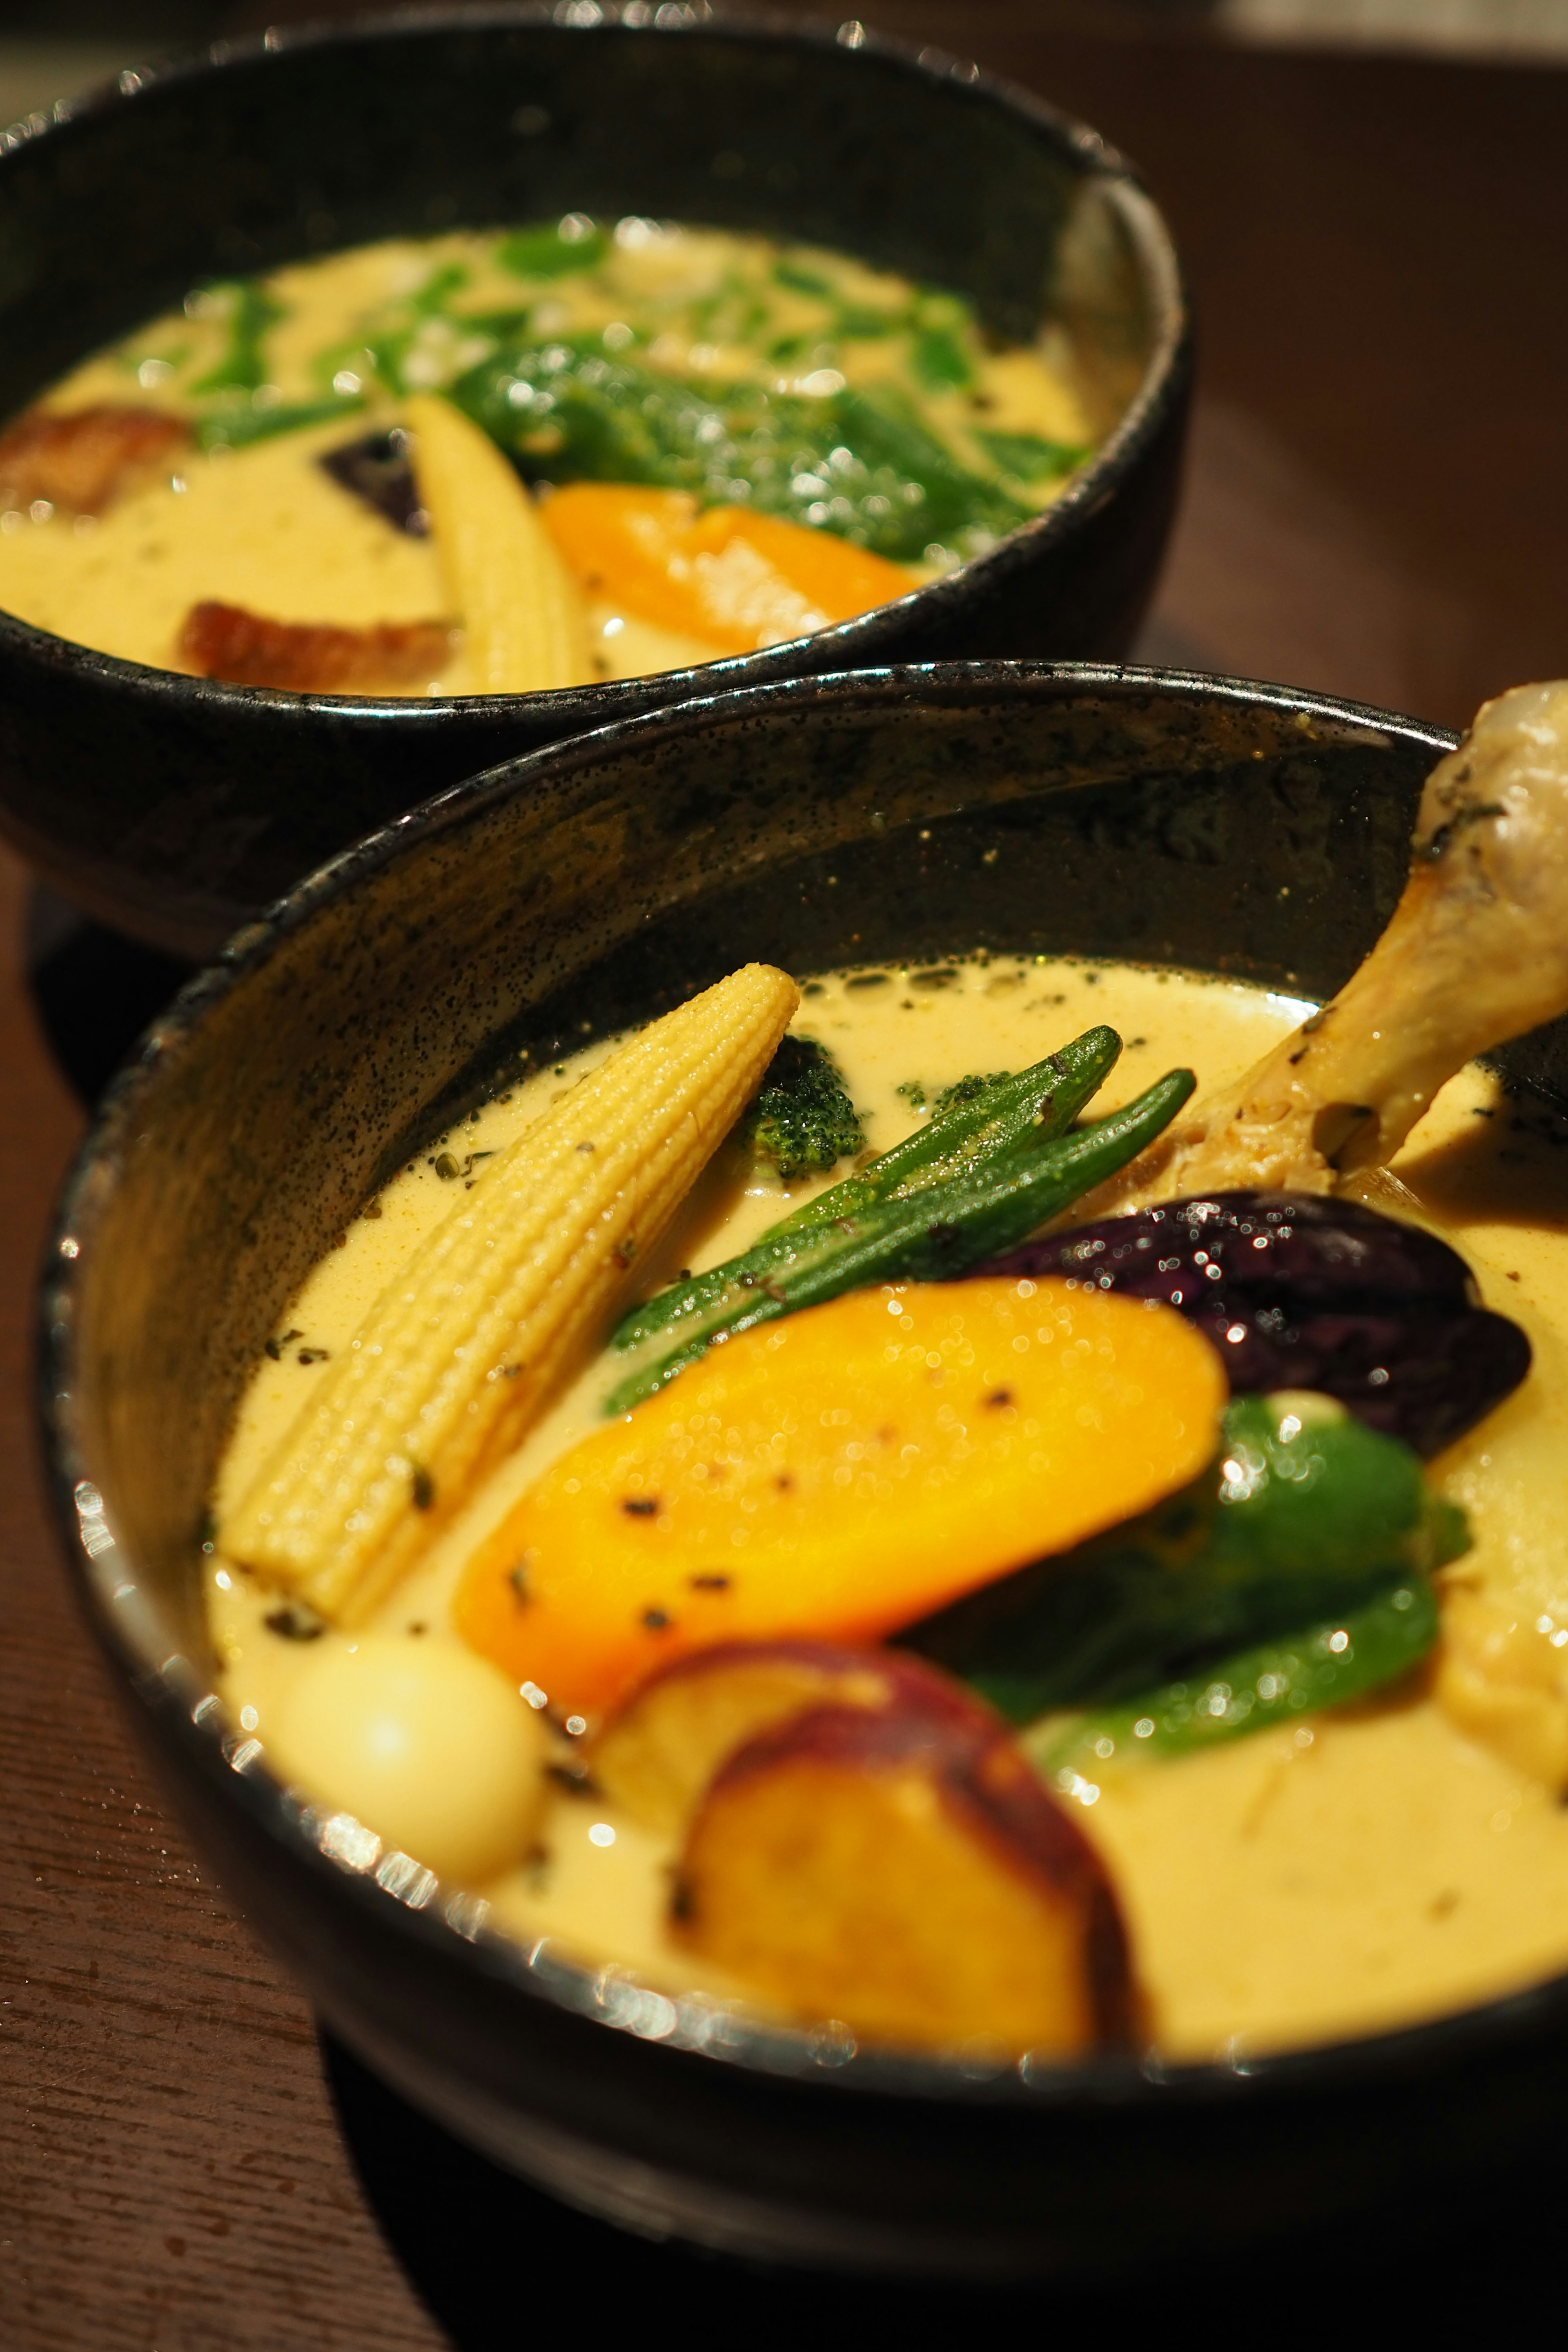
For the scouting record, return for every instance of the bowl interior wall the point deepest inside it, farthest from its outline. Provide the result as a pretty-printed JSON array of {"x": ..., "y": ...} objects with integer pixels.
[{"x": 813, "y": 832}]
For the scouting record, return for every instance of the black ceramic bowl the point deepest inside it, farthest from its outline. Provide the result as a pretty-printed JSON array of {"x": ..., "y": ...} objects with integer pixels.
[
  {"x": 176, "y": 809},
  {"x": 903, "y": 812}
]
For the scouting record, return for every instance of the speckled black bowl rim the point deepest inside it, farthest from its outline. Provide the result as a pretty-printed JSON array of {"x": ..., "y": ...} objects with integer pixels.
[
  {"x": 190, "y": 1717},
  {"x": 862, "y": 638}
]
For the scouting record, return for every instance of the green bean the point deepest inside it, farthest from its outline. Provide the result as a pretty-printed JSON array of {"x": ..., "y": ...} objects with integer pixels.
[
  {"x": 236, "y": 428},
  {"x": 934, "y": 1235},
  {"x": 253, "y": 311},
  {"x": 1035, "y": 1105},
  {"x": 1030, "y": 459}
]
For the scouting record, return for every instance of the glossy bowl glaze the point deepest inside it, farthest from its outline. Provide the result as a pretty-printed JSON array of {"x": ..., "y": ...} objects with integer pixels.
[
  {"x": 176, "y": 808},
  {"x": 882, "y": 814}
]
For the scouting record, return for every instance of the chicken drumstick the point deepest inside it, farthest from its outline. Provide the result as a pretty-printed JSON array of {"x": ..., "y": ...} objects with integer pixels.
[{"x": 1474, "y": 952}]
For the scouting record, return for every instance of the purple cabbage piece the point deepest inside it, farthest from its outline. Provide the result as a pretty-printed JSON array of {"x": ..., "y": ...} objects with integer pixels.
[{"x": 1300, "y": 1292}]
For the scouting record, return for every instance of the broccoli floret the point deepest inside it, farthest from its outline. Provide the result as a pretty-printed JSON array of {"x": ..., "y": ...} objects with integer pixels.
[
  {"x": 953, "y": 1098},
  {"x": 803, "y": 1121},
  {"x": 964, "y": 1091}
]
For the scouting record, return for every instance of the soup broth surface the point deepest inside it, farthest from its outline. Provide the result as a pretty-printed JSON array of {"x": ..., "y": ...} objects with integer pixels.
[{"x": 1364, "y": 1869}]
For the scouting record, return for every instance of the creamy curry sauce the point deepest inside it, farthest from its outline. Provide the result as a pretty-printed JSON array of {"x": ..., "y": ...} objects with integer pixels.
[
  {"x": 262, "y": 526},
  {"x": 1364, "y": 1869}
]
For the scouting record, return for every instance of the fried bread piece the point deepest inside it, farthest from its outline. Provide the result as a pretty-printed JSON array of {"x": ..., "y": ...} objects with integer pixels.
[
  {"x": 243, "y": 648},
  {"x": 81, "y": 461}
]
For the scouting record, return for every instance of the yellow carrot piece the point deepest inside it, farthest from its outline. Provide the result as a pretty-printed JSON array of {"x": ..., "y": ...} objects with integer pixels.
[
  {"x": 738, "y": 579},
  {"x": 839, "y": 1473},
  {"x": 524, "y": 626},
  {"x": 461, "y": 1352}
]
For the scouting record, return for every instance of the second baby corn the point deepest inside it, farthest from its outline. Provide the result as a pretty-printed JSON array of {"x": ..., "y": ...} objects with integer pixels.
[
  {"x": 459, "y": 1354},
  {"x": 524, "y": 625}
]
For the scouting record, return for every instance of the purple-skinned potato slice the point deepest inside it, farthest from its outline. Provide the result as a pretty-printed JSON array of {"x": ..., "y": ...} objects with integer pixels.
[
  {"x": 901, "y": 1869},
  {"x": 657, "y": 1752}
]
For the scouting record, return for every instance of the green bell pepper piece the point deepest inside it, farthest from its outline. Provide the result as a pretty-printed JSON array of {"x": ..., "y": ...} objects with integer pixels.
[
  {"x": 1306, "y": 1513},
  {"x": 566, "y": 410}
]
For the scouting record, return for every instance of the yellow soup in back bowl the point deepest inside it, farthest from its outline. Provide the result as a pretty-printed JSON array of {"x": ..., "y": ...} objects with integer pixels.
[{"x": 502, "y": 462}]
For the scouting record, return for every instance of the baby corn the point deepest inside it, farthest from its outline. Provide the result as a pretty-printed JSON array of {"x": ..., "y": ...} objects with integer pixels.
[
  {"x": 524, "y": 625},
  {"x": 460, "y": 1353}
]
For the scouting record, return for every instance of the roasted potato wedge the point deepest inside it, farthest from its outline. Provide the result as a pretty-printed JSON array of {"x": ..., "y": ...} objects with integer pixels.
[{"x": 900, "y": 1868}]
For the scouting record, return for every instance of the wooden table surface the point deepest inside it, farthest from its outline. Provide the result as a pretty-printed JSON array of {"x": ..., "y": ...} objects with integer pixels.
[{"x": 1378, "y": 506}]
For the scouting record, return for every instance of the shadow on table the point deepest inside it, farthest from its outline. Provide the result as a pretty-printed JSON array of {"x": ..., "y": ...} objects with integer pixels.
[
  {"x": 492, "y": 2258},
  {"x": 94, "y": 992}
]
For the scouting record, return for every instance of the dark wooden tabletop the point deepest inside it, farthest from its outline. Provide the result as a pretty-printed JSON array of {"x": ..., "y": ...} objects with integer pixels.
[{"x": 1377, "y": 506}]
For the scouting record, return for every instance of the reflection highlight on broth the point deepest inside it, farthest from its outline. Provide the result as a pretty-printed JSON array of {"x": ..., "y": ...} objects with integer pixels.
[
  {"x": 497, "y": 462},
  {"x": 887, "y": 1499}
]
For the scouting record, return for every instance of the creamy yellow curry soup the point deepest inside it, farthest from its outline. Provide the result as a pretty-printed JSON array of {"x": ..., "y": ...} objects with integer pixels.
[
  {"x": 315, "y": 478},
  {"x": 1349, "y": 1868}
]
